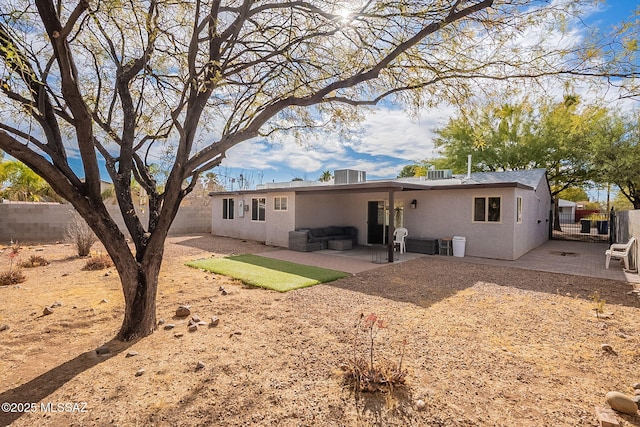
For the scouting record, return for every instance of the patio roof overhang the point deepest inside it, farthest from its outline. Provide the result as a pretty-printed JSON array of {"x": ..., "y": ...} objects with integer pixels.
[
  {"x": 374, "y": 187},
  {"x": 388, "y": 186}
]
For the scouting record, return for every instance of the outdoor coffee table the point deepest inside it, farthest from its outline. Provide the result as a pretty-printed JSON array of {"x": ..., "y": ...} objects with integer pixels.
[{"x": 340, "y": 245}]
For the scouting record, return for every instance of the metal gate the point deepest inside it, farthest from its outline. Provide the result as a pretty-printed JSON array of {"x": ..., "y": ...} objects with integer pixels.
[{"x": 598, "y": 228}]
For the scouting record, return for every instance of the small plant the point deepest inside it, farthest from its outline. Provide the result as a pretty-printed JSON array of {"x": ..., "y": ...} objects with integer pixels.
[
  {"x": 98, "y": 262},
  {"x": 13, "y": 276},
  {"x": 363, "y": 373},
  {"x": 80, "y": 234},
  {"x": 598, "y": 303},
  {"x": 34, "y": 261}
]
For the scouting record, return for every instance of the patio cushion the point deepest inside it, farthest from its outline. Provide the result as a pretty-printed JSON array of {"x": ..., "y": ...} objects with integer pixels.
[
  {"x": 334, "y": 231},
  {"x": 350, "y": 231},
  {"x": 317, "y": 232}
]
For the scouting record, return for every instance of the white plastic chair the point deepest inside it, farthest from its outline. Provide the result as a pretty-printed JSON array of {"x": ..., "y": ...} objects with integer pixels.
[
  {"x": 399, "y": 235},
  {"x": 619, "y": 251}
]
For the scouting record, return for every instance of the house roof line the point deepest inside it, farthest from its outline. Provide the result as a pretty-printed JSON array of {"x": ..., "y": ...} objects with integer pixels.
[
  {"x": 525, "y": 179},
  {"x": 374, "y": 187}
]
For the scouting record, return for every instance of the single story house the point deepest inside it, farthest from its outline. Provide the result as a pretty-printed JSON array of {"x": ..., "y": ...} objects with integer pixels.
[
  {"x": 567, "y": 211},
  {"x": 502, "y": 215}
]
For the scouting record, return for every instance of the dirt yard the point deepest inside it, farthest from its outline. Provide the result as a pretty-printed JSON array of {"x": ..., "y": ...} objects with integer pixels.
[{"x": 485, "y": 346}]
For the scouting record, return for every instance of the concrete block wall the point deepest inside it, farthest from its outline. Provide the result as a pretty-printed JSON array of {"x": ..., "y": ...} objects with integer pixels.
[
  {"x": 44, "y": 222},
  {"x": 629, "y": 226},
  {"x": 634, "y": 223}
]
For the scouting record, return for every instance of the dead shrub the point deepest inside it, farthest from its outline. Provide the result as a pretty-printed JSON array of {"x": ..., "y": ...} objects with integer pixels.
[
  {"x": 98, "y": 262},
  {"x": 11, "y": 277},
  {"x": 34, "y": 261},
  {"x": 362, "y": 372},
  {"x": 80, "y": 234}
]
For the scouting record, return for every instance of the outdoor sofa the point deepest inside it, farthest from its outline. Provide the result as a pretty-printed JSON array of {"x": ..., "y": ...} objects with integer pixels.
[{"x": 315, "y": 239}]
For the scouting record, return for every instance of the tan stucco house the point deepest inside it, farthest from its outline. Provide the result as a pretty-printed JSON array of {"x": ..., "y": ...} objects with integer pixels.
[{"x": 502, "y": 215}]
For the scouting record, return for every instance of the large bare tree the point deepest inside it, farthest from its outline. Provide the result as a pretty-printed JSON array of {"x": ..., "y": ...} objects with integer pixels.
[{"x": 119, "y": 82}]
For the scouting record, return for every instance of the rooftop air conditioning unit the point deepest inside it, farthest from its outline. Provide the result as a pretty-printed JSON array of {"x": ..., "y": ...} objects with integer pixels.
[
  {"x": 349, "y": 176},
  {"x": 439, "y": 174}
]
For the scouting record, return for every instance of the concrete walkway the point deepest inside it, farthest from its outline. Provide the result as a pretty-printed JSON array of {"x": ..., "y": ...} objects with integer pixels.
[{"x": 556, "y": 256}]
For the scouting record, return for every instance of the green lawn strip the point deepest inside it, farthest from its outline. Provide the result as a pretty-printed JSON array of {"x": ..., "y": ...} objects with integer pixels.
[{"x": 281, "y": 276}]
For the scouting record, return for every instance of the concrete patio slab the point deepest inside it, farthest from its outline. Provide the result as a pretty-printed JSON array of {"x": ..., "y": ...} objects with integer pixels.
[
  {"x": 567, "y": 257},
  {"x": 351, "y": 261},
  {"x": 556, "y": 256}
]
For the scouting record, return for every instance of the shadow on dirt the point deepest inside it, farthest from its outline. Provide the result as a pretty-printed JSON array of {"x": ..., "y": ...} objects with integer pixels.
[
  {"x": 223, "y": 245},
  {"x": 42, "y": 386},
  {"x": 440, "y": 279}
]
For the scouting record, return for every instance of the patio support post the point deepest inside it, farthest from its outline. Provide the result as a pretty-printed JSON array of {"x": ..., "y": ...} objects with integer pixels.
[{"x": 390, "y": 228}]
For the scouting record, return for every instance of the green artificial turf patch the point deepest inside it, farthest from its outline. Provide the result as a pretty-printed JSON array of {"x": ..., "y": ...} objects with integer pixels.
[{"x": 281, "y": 276}]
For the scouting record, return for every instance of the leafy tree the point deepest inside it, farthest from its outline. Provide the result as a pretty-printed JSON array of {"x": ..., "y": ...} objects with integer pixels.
[
  {"x": 325, "y": 176},
  {"x": 574, "y": 194},
  {"x": 617, "y": 155},
  {"x": 516, "y": 136},
  {"x": 421, "y": 168},
  {"x": 120, "y": 82},
  {"x": 618, "y": 50},
  {"x": 408, "y": 171},
  {"x": 18, "y": 182},
  {"x": 556, "y": 136},
  {"x": 621, "y": 202}
]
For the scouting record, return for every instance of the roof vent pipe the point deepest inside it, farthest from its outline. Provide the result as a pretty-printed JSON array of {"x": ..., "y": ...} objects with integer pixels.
[{"x": 469, "y": 166}]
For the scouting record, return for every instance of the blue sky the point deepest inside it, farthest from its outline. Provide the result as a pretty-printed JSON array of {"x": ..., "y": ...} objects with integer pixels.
[{"x": 387, "y": 139}]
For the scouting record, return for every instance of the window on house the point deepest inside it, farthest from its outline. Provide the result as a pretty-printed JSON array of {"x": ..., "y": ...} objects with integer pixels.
[
  {"x": 486, "y": 209},
  {"x": 280, "y": 203},
  {"x": 519, "y": 210},
  {"x": 227, "y": 208},
  {"x": 258, "y": 209}
]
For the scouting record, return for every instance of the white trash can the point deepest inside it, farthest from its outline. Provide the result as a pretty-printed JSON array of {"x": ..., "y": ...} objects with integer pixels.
[{"x": 459, "y": 243}]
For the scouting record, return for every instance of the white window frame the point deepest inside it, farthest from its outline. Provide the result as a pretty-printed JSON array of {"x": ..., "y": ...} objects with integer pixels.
[
  {"x": 258, "y": 205},
  {"x": 485, "y": 219},
  {"x": 228, "y": 206},
  {"x": 519, "y": 210},
  {"x": 281, "y": 203}
]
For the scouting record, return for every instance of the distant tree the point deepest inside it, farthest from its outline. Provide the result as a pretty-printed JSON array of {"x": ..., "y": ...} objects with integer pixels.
[
  {"x": 325, "y": 176},
  {"x": 556, "y": 136},
  {"x": 297, "y": 179},
  {"x": 620, "y": 202},
  {"x": 212, "y": 182},
  {"x": 574, "y": 194},
  {"x": 408, "y": 171},
  {"x": 617, "y": 155},
  {"x": 515, "y": 136},
  {"x": 18, "y": 182},
  {"x": 421, "y": 168}
]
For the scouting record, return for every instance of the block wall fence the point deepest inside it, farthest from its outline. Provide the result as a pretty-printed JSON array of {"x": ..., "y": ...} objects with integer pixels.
[
  {"x": 46, "y": 222},
  {"x": 629, "y": 226}
]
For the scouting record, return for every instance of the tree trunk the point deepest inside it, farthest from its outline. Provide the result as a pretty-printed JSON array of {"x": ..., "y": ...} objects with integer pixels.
[
  {"x": 556, "y": 215},
  {"x": 138, "y": 273},
  {"x": 140, "y": 306}
]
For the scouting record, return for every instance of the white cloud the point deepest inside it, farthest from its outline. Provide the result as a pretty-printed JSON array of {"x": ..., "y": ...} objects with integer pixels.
[
  {"x": 300, "y": 156},
  {"x": 393, "y": 133},
  {"x": 387, "y": 140}
]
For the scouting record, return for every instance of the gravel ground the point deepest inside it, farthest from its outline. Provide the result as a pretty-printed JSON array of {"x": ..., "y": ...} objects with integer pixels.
[{"x": 483, "y": 346}]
